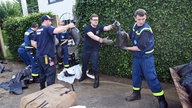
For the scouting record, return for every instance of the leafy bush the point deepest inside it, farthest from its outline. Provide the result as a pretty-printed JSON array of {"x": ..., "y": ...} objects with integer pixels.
[
  {"x": 9, "y": 9},
  {"x": 170, "y": 21},
  {"x": 15, "y": 28}
]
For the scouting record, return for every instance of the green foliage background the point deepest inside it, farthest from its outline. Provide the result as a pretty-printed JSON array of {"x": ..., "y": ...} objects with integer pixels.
[
  {"x": 170, "y": 20},
  {"x": 9, "y": 9}
]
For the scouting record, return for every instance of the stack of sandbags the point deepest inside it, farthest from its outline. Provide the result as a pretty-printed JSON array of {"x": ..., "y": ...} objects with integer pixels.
[{"x": 186, "y": 78}]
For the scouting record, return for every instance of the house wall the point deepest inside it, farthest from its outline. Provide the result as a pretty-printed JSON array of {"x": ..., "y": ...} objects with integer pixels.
[{"x": 58, "y": 8}]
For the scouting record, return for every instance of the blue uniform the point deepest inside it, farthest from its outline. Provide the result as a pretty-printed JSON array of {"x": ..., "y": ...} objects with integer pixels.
[
  {"x": 28, "y": 36},
  {"x": 143, "y": 61},
  {"x": 90, "y": 48},
  {"x": 62, "y": 37},
  {"x": 46, "y": 55},
  {"x": 23, "y": 54}
]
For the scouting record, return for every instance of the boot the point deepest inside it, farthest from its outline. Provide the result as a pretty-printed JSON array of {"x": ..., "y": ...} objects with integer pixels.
[
  {"x": 136, "y": 95},
  {"x": 83, "y": 76},
  {"x": 36, "y": 79},
  {"x": 96, "y": 81},
  {"x": 162, "y": 102}
]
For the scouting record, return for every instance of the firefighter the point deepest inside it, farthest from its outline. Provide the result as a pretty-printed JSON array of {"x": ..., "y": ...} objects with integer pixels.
[
  {"x": 142, "y": 38},
  {"x": 45, "y": 44},
  {"x": 23, "y": 54},
  {"x": 91, "y": 45},
  {"x": 31, "y": 50},
  {"x": 63, "y": 41}
]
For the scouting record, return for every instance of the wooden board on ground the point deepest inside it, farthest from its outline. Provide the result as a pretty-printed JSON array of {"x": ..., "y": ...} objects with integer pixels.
[{"x": 183, "y": 95}]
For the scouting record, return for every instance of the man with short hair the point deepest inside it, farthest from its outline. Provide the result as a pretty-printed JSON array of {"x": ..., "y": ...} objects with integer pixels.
[
  {"x": 63, "y": 41},
  {"x": 31, "y": 50},
  {"x": 143, "y": 65},
  {"x": 45, "y": 44},
  {"x": 91, "y": 46}
]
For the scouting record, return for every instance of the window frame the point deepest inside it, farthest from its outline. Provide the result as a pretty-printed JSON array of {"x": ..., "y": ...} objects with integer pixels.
[{"x": 55, "y": 1}]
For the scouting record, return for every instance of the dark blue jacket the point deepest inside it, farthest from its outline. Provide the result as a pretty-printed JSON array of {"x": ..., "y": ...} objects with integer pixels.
[{"x": 143, "y": 38}]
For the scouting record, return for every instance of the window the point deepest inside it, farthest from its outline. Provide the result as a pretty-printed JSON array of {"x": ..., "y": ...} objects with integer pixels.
[{"x": 53, "y": 1}]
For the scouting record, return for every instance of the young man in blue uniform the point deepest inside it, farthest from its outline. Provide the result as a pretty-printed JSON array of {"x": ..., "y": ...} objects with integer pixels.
[
  {"x": 28, "y": 38},
  {"x": 142, "y": 38},
  {"x": 63, "y": 41},
  {"x": 23, "y": 54},
  {"x": 91, "y": 46},
  {"x": 45, "y": 44}
]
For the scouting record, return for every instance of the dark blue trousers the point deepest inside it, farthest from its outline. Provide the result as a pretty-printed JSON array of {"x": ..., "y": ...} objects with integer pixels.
[
  {"x": 35, "y": 67},
  {"x": 92, "y": 55},
  {"x": 144, "y": 67},
  {"x": 47, "y": 72},
  {"x": 24, "y": 56}
]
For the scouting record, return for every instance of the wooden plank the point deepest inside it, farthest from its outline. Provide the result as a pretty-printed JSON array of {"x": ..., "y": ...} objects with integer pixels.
[
  {"x": 183, "y": 95},
  {"x": 2, "y": 45}
]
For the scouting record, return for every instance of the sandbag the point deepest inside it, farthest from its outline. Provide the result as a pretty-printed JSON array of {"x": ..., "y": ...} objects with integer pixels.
[
  {"x": 121, "y": 39},
  {"x": 121, "y": 36},
  {"x": 54, "y": 96},
  {"x": 76, "y": 35},
  {"x": 188, "y": 88},
  {"x": 190, "y": 97},
  {"x": 185, "y": 80},
  {"x": 186, "y": 69}
]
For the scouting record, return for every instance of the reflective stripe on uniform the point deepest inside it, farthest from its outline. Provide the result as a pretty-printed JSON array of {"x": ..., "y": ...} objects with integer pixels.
[
  {"x": 60, "y": 63},
  {"x": 27, "y": 33},
  {"x": 134, "y": 88},
  {"x": 159, "y": 93},
  {"x": 66, "y": 65},
  {"x": 35, "y": 74},
  {"x": 139, "y": 33},
  {"x": 148, "y": 52},
  {"x": 29, "y": 47}
]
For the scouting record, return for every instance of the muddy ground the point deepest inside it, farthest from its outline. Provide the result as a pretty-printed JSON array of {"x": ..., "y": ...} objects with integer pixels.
[{"x": 110, "y": 94}]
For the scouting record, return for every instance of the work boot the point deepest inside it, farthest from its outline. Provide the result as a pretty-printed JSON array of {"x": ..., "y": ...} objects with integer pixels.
[
  {"x": 35, "y": 79},
  {"x": 162, "y": 102},
  {"x": 136, "y": 95},
  {"x": 83, "y": 76},
  {"x": 96, "y": 81},
  {"x": 60, "y": 66}
]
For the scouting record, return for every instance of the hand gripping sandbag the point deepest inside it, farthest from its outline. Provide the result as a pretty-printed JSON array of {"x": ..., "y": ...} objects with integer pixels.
[
  {"x": 107, "y": 41},
  {"x": 121, "y": 36},
  {"x": 121, "y": 39},
  {"x": 54, "y": 96}
]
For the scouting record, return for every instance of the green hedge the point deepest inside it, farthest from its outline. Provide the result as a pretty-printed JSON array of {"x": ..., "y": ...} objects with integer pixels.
[
  {"x": 15, "y": 28},
  {"x": 170, "y": 20}
]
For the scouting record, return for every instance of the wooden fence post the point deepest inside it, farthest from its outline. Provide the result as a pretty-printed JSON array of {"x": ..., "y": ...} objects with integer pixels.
[{"x": 3, "y": 50}]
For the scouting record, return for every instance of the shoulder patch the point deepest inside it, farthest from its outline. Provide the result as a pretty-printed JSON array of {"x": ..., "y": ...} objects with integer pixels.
[{"x": 27, "y": 33}]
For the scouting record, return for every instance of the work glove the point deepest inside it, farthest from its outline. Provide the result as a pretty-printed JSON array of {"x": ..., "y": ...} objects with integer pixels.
[
  {"x": 107, "y": 41},
  {"x": 124, "y": 47},
  {"x": 116, "y": 25},
  {"x": 71, "y": 25}
]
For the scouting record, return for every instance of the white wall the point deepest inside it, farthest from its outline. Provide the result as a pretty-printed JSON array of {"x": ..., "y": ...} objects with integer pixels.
[{"x": 57, "y": 8}]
